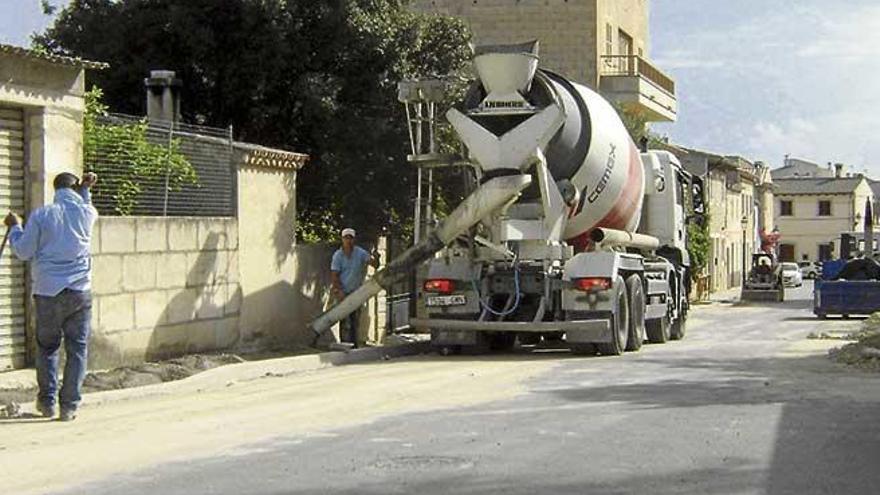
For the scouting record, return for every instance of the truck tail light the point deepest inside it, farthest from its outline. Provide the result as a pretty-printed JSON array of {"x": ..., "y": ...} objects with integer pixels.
[
  {"x": 441, "y": 285},
  {"x": 592, "y": 283}
]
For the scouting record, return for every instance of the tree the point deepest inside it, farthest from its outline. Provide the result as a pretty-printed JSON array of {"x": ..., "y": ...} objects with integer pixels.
[
  {"x": 637, "y": 124},
  {"x": 635, "y": 121},
  {"x": 315, "y": 76},
  {"x": 698, "y": 246}
]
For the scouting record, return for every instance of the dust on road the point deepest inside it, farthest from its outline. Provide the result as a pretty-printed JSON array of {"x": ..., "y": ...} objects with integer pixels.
[{"x": 133, "y": 434}]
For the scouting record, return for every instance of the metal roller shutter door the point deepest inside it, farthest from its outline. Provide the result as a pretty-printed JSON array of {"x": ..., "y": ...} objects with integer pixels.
[{"x": 13, "y": 350}]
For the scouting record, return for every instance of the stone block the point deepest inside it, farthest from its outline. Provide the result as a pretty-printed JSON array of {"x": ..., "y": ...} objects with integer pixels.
[
  {"x": 134, "y": 346},
  {"x": 172, "y": 271},
  {"x": 174, "y": 340},
  {"x": 139, "y": 272},
  {"x": 183, "y": 234},
  {"x": 212, "y": 234},
  {"x": 96, "y": 313},
  {"x": 233, "y": 299},
  {"x": 232, "y": 267},
  {"x": 221, "y": 268},
  {"x": 232, "y": 234},
  {"x": 107, "y": 274},
  {"x": 202, "y": 267},
  {"x": 104, "y": 351},
  {"x": 96, "y": 238},
  {"x": 190, "y": 337},
  {"x": 211, "y": 302},
  {"x": 182, "y": 305},
  {"x": 150, "y": 308},
  {"x": 116, "y": 312},
  {"x": 226, "y": 332},
  {"x": 151, "y": 235},
  {"x": 117, "y": 235}
]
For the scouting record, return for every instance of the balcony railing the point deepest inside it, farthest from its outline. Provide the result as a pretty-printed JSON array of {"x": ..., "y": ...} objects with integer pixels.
[{"x": 634, "y": 65}]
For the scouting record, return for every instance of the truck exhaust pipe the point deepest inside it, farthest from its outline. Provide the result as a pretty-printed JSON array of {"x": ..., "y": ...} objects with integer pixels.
[
  {"x": 488, "y": 198},
  {"x": 612, "y": 237}
]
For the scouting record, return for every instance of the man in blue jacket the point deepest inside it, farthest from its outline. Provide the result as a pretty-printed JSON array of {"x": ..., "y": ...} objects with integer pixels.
[{"x": 56, "y": 241}]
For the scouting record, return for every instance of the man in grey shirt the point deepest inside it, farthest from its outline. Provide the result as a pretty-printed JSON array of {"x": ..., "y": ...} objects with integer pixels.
[{"x": 347, "y": 271}]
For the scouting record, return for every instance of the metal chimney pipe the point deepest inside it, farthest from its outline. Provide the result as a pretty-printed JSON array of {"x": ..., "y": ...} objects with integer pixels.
[{"x": 163, "y": 95}]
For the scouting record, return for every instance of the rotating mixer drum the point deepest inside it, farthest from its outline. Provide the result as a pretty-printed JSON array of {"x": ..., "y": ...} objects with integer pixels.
[{"x": 591, "y": 149}]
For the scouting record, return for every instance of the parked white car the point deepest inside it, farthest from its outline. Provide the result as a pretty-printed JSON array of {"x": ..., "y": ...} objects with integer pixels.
[
  {"x": 791, "y": 275},
  {"x": 810, "y": 269}
]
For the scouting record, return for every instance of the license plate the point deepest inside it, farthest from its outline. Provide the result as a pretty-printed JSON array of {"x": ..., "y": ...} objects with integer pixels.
[{"x": 453, "y": 300}]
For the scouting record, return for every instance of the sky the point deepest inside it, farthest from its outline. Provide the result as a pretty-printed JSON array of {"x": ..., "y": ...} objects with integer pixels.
[
  {"x": 763, "y": 79},
  {"x": 755, "y": 78}
]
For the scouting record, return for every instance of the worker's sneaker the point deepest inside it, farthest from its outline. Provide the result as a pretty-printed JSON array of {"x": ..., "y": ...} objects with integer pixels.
[
  {"x": 67, "y": 415},
  {"x": 47, "y": 410}
]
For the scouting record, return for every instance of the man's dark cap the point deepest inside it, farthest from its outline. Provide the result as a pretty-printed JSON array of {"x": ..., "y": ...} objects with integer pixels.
[{"x": 65, "y": 180}]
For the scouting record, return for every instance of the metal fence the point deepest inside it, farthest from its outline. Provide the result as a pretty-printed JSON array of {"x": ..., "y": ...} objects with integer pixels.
[
  {"x": 160, "y": 168},
  {"x": 401, "y": 297}
]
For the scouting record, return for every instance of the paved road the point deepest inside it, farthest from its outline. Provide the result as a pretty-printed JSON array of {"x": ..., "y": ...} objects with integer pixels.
[{"x": 744, "y": 405}]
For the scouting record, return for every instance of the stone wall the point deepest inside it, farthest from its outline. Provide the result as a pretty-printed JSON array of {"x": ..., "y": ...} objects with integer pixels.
[{"x": 163, "y": 287}]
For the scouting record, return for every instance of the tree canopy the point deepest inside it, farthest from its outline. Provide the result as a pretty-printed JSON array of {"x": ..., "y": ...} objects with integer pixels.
[{"x": 315, "y": 76}]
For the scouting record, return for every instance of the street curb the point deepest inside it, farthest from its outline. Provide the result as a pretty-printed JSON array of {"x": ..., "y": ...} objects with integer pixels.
[{"x": 240, "y": 373}]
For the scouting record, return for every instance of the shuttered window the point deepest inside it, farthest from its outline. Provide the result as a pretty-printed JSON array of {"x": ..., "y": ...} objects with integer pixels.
[{"x": 12, "y": 271}]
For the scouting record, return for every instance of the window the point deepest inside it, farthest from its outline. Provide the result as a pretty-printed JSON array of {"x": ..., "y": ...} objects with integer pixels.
[
  {"x": 679, "y": 190},
  {"x": 625, "y": 47},
  {"x": 785, "y": 209},
  {"x": 824, "y": 208},
  {"x": 786, "y": 252},
  {"x": 609, "y": 40}
]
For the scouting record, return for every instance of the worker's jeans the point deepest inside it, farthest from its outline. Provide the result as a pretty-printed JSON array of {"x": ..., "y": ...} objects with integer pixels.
[
  {"x": 350, "y": 330},
  {"x": 66, "y": 315}
]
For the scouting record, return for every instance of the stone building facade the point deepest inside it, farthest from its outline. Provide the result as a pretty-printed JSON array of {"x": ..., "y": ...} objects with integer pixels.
[
  {"x": 603, "y": 44},
  {"x": 811, "y": 213},
  {"x": 739, "y": 203}
]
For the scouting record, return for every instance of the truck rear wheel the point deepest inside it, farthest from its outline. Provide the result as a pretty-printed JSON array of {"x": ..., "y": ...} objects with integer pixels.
[
  {"x": 619, "y": 323},
  {"x": 679, "y": 327},
  {"x": 658, "y": 330},
  {"x": 636, "y": 296}
]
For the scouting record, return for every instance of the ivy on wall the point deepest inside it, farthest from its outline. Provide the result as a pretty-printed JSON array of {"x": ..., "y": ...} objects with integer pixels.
[
  {"x": 698, "y": 246},
  {"x": 125, "y": 159}
]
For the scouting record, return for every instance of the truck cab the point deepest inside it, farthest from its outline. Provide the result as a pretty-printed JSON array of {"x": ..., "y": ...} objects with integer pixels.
[{"x": 666, "y": 184}]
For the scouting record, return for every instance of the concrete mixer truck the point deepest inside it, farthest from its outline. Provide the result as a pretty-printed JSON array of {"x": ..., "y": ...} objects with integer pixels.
[{"x": 584, "y": 240}]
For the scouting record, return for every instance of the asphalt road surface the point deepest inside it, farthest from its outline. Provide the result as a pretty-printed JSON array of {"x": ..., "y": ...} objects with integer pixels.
[{"x": 745, "y": 404}]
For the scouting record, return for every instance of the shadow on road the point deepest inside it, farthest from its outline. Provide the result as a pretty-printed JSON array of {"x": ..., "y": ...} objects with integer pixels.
[
  {"x": 721, "y": 480},
  {"x": 827, "y": 438},
  {"x": 815, "y": 318},
  {"x": 787, "y": 304}
]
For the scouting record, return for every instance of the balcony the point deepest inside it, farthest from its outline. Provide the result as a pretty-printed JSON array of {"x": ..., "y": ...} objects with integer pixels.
[{"x": 634, "y": 83}]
